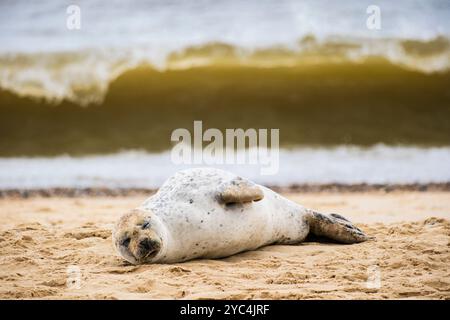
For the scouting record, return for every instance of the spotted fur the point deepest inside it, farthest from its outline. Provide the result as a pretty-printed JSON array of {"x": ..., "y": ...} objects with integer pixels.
[{"x": 211, "y": 213}]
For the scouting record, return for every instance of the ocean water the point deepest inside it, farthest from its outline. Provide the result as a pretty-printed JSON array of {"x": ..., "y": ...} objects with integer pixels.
[
  {"x": 352, "y": 104},
  {"x": 41, "y": 57},
  {"x": 174, "y": 24},
  {"x": 344, "y": 164}
]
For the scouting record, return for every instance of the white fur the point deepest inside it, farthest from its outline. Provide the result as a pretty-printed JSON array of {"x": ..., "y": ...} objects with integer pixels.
[{"x": 192, "y": 223}]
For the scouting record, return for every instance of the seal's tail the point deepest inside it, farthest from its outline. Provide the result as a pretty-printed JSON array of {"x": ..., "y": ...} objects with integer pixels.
[{"x": 335, "y": 227}]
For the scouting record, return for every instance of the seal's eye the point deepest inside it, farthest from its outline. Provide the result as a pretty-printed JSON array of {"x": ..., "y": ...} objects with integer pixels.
[
  {"x": 145, "y": 225},
  {"x": 125, "y": 242}
]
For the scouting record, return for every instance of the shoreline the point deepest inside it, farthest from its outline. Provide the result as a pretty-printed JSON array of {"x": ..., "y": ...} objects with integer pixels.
[{"x": 294, "y": 188}]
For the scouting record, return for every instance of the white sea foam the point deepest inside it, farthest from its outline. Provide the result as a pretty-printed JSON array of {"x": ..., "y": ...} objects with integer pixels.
[
  {"x": 37, "y": 26},
  {"x": 40, "y": 57},
  {"x": 343, "y": 164}
]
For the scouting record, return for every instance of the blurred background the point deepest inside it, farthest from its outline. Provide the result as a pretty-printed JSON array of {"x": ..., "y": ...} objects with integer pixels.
[{"x": 95, "y": 106}]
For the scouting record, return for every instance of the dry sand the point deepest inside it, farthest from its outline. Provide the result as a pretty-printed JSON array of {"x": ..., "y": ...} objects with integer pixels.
[{"x": 41, "y": 237}]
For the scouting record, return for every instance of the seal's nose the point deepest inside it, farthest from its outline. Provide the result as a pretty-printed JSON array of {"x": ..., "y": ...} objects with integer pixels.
[
  {"x": 146, "y": 248},
  {"x": 146, "y": 245}
]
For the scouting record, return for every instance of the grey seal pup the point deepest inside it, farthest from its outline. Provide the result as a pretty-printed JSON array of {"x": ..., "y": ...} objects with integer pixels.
[{"x": 211, "y": 213}]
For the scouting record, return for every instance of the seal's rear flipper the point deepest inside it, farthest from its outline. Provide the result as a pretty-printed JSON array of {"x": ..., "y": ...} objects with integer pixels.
[
  {"x": 335, "y": 227},
  {"x": 239, "y": 190}
]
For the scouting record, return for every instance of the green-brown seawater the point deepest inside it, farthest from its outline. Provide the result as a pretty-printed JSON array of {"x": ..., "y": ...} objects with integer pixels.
[{"x": 315, "y": 104}]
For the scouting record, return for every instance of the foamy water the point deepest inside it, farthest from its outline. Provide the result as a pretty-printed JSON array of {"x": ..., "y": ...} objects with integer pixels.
[
  {"x": 37, "y": 26},
  {"x": 40, "y": 57},
  {"x": 344, "y": 164}
]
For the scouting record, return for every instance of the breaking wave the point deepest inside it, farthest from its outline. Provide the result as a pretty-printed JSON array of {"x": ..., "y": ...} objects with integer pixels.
[{"x": 83, "y": 77}]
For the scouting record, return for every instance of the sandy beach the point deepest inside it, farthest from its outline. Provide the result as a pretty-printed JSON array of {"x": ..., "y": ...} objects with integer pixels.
[{"x": 41, "y": 237}]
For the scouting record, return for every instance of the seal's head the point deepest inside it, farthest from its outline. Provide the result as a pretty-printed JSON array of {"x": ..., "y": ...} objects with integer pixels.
[{"x": 137, "y": 237}]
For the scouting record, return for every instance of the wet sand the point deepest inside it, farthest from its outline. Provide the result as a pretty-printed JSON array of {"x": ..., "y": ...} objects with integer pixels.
[{"x": 41, "y": 237}]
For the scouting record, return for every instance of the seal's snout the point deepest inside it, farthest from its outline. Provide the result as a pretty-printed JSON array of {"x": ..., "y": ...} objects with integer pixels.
[
  {"x": 148, "y": 247},
  {"x": 145, "y": 245},
  {"x": 143, "y": 249},
  {"x": 136, "y": 237}
]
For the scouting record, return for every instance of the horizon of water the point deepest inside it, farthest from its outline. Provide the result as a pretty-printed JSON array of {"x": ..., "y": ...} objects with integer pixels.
[{"x": 379, "y": 164}]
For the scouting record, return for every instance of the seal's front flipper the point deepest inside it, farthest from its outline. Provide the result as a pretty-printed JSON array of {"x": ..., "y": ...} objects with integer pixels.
[
  {"x": 239, "y": 190},
  {"x": 335, "y": 227}
]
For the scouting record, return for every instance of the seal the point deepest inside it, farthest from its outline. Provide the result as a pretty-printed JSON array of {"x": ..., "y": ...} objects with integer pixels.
[{"x": 211, "y": 213}]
